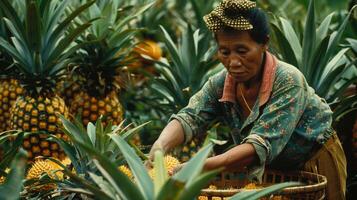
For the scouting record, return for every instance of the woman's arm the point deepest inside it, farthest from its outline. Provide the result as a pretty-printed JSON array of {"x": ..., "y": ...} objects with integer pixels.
[
  {"x": 171, "y": 136},
  {"x": 238, "y": 157}
]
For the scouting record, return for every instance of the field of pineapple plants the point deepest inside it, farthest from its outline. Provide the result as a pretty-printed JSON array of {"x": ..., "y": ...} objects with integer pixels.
[{"x": 86, "y": 86}]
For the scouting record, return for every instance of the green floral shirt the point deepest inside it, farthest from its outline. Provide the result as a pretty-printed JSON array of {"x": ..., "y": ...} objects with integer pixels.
[{"x": 288, "y": 121}]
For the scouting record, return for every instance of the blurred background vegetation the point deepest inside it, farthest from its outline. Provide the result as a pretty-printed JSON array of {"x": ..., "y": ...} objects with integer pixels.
[{"x": 138, "y": 61}]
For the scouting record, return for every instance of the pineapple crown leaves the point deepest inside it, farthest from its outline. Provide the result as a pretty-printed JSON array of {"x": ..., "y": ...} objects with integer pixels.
[
  {"x": 14, "y": 179},
  {"x": 103, "y": 180},
  {"x": 6, "y": 62},
  {"x": 189, "y": 66},
  {"x": 41, "y": 44},
  {"x": 318, "y": 55},
  {"x": 111, "y": 42}
]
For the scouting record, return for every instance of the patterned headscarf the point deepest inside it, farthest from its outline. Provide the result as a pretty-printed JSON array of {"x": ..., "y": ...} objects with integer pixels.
[{"x": 230, "y": 13}]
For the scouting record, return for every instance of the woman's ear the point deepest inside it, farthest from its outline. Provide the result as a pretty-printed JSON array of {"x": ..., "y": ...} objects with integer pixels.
[{"x": 266, "y": 43}]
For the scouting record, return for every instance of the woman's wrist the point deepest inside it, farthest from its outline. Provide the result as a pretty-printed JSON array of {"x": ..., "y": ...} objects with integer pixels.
[{"x": 215, "y": 162}]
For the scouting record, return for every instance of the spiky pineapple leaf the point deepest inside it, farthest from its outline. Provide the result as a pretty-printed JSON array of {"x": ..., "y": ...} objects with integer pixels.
[
  {"x": 13, "y": 181},
  {"x": 161, "y": 174},
  {"x": 138, "y": 169},
  {"x": 124, "y": 187},
  {"x": 256, "y": 194}
]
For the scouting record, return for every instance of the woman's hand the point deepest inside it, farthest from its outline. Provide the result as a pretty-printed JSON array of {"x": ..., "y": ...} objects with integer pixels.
[
  {"x": 170, "y": 137},
  {"x": 157, "y": 146},
  {"x": 176, "y": 169}
]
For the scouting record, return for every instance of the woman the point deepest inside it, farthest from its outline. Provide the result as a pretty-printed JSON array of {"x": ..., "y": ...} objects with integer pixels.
[{"x": 276, "y": 118}]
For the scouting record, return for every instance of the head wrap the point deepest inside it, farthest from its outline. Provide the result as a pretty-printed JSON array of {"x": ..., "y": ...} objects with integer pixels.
[{"x": 230, "y": 13}]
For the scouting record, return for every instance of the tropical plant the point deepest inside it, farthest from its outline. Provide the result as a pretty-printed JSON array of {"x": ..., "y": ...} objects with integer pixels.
[
  {"x": 110, "y": 183},
  {"x": 96, "y": 154},
  {"x": 41, "y": 46},
  {"x": 317, "y": 55},
  {"x": 11, "y": 188},
  {"x": 266, "y": 192},
  {"x": 10, "y": 88},
  {"x": 190, "y": 65},
  {"x": 192, "y": 11},
  {"x": 107, "y": 44},
  {"x": 10, "y": 142}
]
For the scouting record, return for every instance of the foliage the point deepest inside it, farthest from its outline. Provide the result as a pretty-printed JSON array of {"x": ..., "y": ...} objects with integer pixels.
[
  {"x": 190, "y": 65},
  {"x": 10, "y": 142},
  {"x": 318, "y": 54},
  {"x": 40, "y": 44},
  {"x": 10, "y": 190},
  {"x": 98, "y": 149},
  {"x": 106, "y": 44},
  {"x": 252, "y": 195}
]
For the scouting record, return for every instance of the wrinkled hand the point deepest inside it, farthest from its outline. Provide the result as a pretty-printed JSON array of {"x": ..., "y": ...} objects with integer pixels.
[
  {"x": 176, "y": 169},
  {"x": 149, "y": 162}
]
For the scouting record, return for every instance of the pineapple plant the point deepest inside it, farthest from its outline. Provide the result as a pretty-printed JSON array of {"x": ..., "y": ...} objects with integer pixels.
[
  {"x": 318, "y": 53},
  {"x": 184, "y": 74},
  {"x": 41, "y": 45},
  {"x": 41, "y": 167},
  {"x": 100, "y": 62},
  {"x": 186, "y": 184},
  {"x": 10, "y": 88},
  {"x": 170, "y": 163}
]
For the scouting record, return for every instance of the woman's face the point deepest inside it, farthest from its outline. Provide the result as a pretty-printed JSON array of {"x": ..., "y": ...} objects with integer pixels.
[{"x": 240, "y": 54}]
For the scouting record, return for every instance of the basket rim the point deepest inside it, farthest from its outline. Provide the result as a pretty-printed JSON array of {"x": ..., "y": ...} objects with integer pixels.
[{"x": 289, "y": 190}]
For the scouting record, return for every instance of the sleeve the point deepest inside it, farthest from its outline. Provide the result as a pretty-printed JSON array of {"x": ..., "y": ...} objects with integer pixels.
[
  {"x": 274, "y": 127},
  {"x": 200, "y": 111}
]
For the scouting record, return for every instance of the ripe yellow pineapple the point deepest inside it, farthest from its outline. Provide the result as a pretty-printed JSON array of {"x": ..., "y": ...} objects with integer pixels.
[
  {"x": 100, "y": 64},
  {"x": 149, "y": 48},
  {"x": 188, "y": 150},
  {"x": 40, "y": 167},
  {"x": 10, "y": 89},
  {"x": 3, "y": 178},
  {"x": 39, "y": 68},
  {"x": 170, "y": 163},
  {"x": 33, "y": 115},
  {"x": 91, "y": 107},
  {"x": 126, "y": 171},
  {"x": 138, "y": 61},
  {"x": 68, "y": 89}
]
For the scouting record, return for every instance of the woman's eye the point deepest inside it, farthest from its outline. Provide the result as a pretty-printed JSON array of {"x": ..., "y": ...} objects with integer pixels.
[
  {"x": 224, "y": 52},
  {"x": 242, "y": 51}
]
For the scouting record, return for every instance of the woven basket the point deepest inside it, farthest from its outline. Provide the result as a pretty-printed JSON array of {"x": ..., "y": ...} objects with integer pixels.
[{"x": 314, "y": 188}]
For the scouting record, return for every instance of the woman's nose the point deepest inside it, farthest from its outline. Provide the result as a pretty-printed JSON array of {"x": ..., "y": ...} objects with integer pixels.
[{"x": 235, "y": 62}]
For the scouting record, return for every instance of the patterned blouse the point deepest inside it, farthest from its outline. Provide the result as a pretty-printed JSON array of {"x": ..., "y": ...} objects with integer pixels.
[{"x": 287, "y": 124}]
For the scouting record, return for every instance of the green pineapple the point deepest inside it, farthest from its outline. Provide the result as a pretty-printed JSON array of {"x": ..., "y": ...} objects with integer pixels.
[
  {"x": 41, "y": 47},
  {"x": 99, "y": 63}
]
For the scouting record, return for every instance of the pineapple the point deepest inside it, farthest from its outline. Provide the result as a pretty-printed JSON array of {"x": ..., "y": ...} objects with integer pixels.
[
  {"x": 100, "y": 62},
  {"x": 3, "y": 178},
  {"x": 41, "y": 46},
  {"x": 68, "y": 88},
  {"x": 188, "y": 150},
  {"x": 91, "y": 107},
  {"x": 148, "y": 48},
  {"x": 41, "y": 167},
  {"x": 34, "y": 115},
  {"x": 126, "y": 171},
  {"x": 170, "y": 163},
  {"x": 10, "y": 88},
  {"x": 184, "y": 74}
]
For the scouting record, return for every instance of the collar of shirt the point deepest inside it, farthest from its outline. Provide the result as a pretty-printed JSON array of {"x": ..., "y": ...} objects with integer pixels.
[{"x": 229, "y": 88}]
